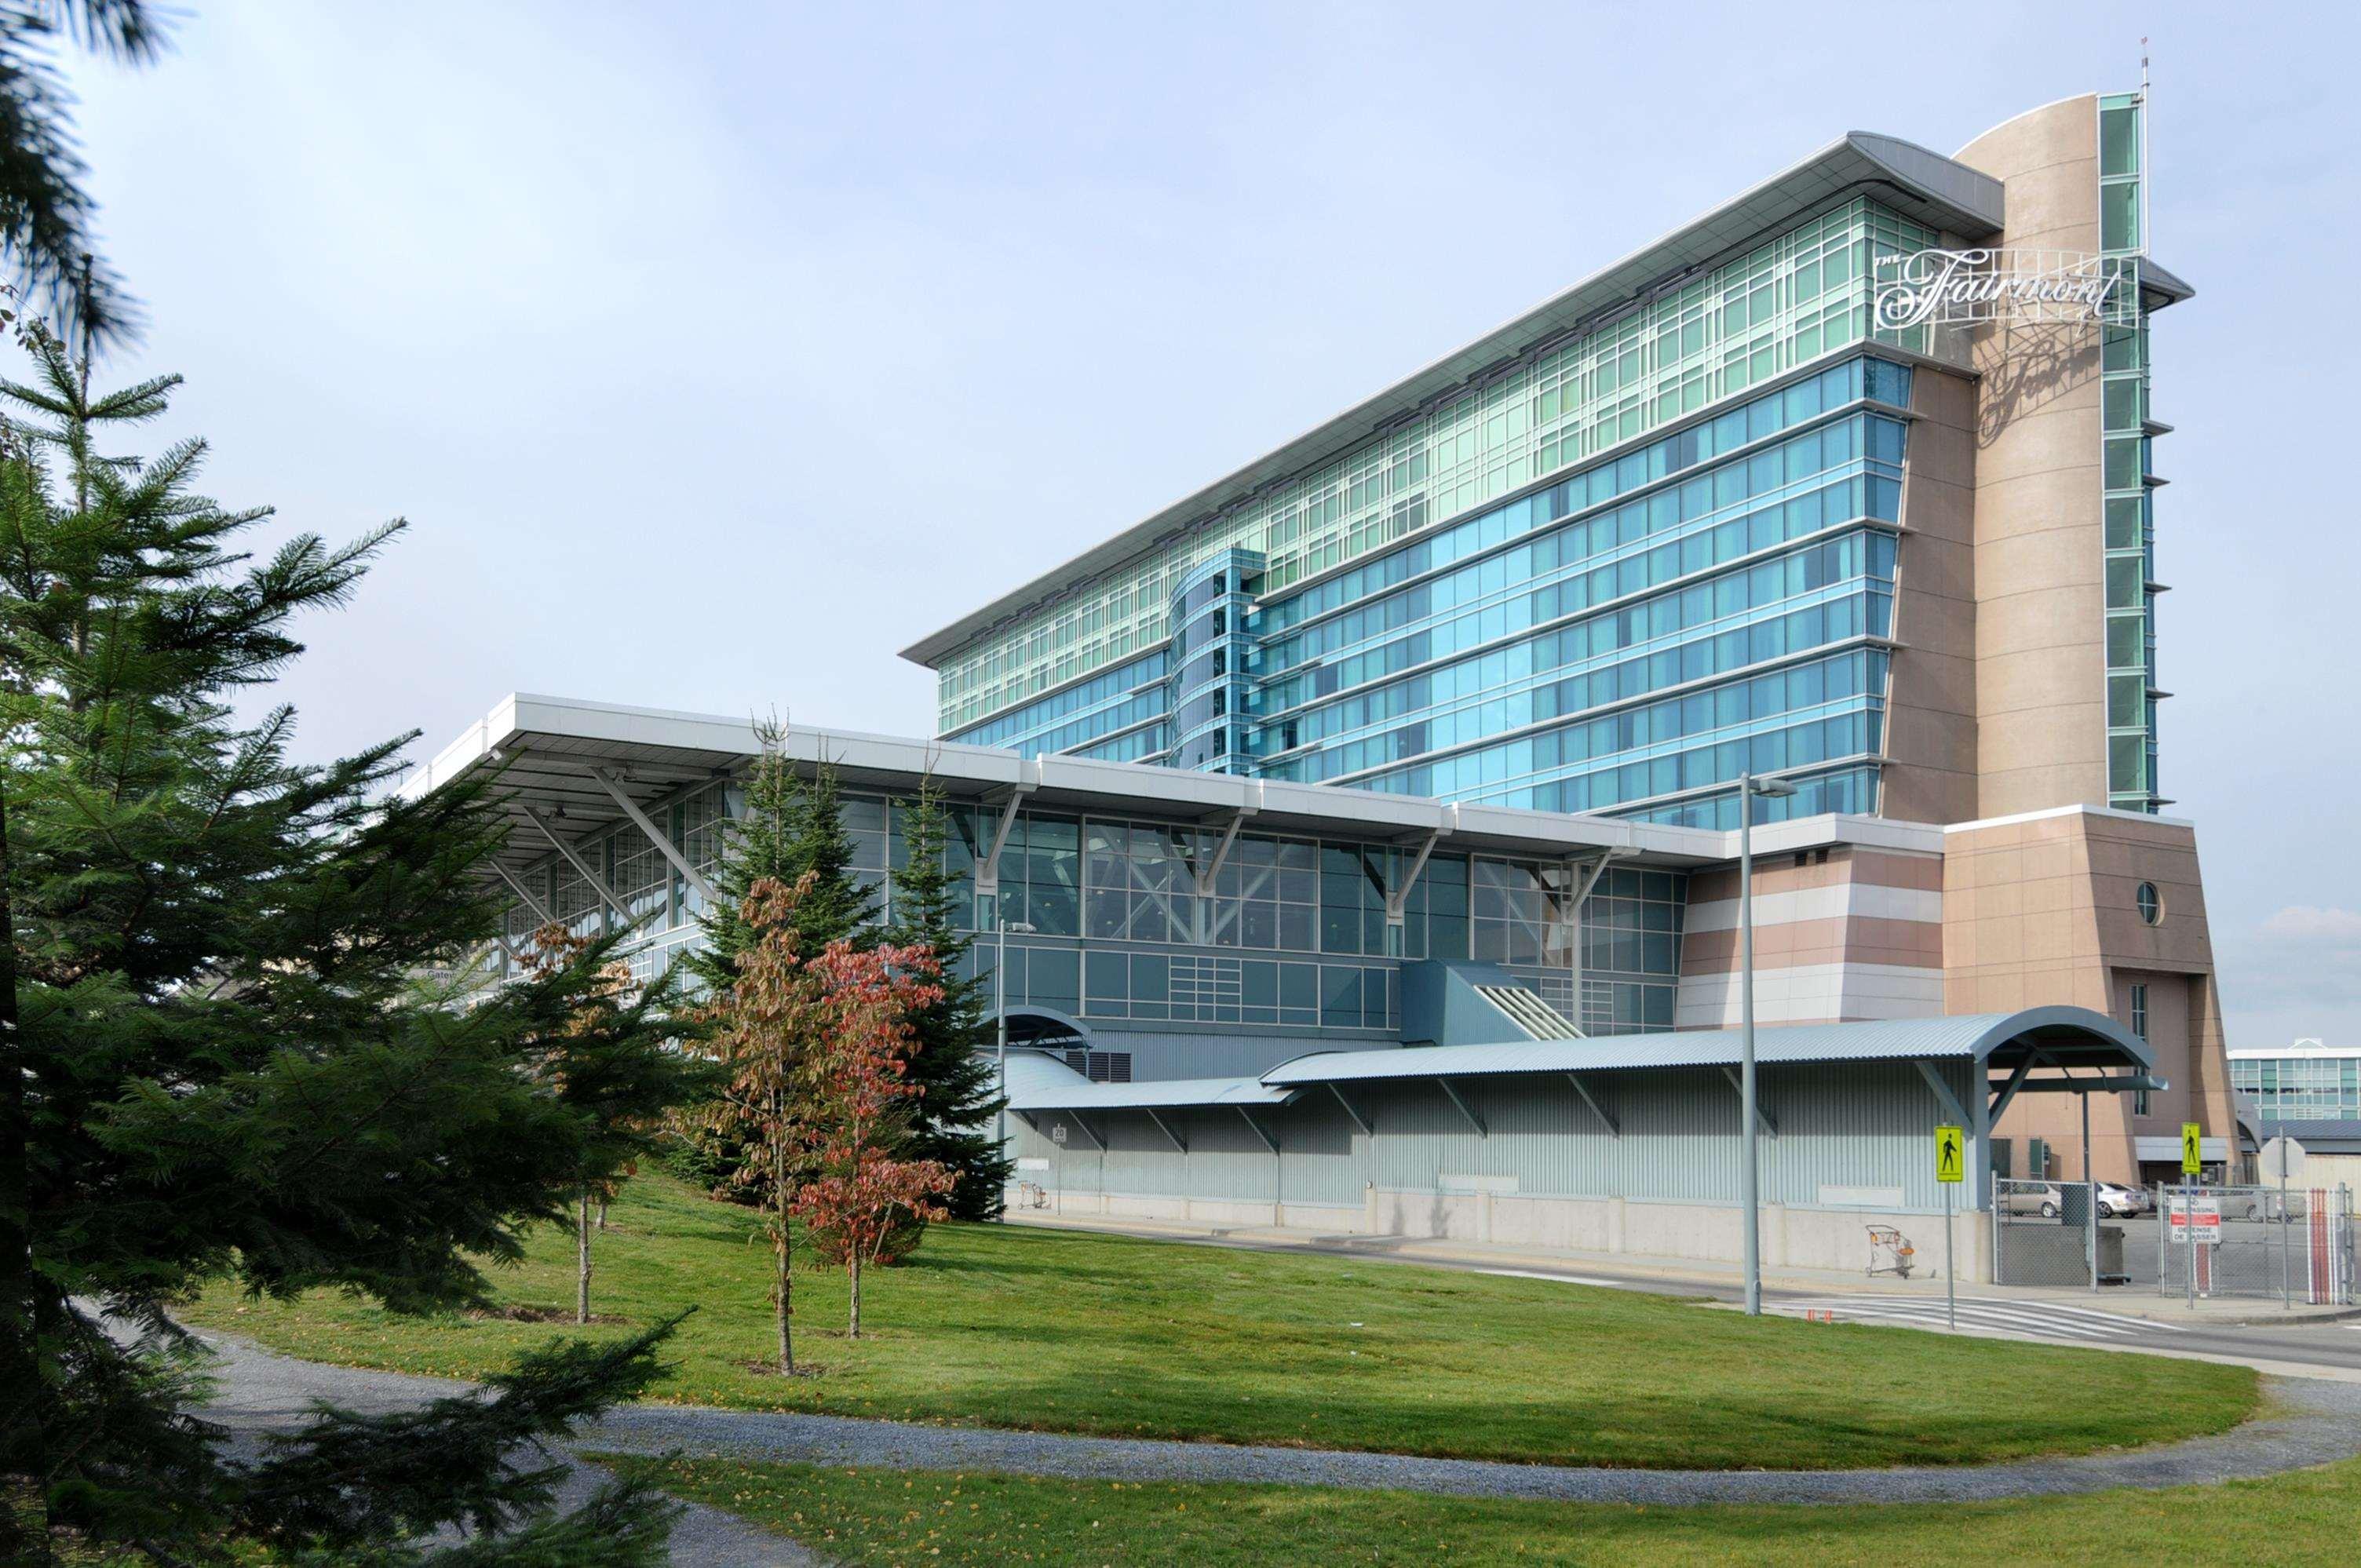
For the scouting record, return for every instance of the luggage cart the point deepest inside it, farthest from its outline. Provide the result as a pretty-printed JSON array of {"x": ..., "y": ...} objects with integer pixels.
[{"x": 1890, "y": 1252}]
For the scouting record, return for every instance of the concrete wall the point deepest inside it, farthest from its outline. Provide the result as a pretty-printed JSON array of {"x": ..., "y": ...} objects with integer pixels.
[
  {"x": 2040, "y": 629},
  {"x": 1793, "y": 1238},
  {"x": 1841, "y": 933},
  {"x": 2043, "y": 909},
  {"x": 1854, "y": 1147},
  {"x": 1931, "y": 711}
]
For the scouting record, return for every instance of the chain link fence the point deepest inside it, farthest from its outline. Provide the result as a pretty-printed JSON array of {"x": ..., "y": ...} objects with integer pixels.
[
  {"x": 2205, "y": 1240},
  {"x": 2214, "y": 1240},
  {"x": 2043, "y": 1232}
]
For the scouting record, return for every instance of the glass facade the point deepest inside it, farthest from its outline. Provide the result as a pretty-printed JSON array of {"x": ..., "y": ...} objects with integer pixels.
[
  {"x": 1134, "y": 921},
  {"x": 2313, "y": 1086},
  {"x": 1792, "y": 300},
  {"x": 1608, "y": 574},
  {"x": 2127, "y": 462},
  {"x": 1627, "y": 638}
]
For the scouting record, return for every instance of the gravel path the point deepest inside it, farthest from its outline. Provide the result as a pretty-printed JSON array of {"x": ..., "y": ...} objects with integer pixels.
[
  {"x": 2314, "y": 1422},
  {"x": 2309, "y": 1422},
  {"x": 256, "y": 1391}
]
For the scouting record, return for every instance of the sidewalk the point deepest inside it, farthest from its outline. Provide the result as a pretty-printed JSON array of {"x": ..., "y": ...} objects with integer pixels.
[{"x": 1630, "y": 1271}]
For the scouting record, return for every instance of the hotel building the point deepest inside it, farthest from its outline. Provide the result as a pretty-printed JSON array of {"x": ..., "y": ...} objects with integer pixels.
[{"x": 1334, "y": 816}]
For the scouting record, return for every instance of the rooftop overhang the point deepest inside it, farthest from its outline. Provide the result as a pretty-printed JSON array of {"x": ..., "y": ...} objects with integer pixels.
[
  {"x": 1040, "y": 1083},
  {"x": 562, "y": 764},
  {"x": 2063, "y": 1039},
  {"x": 1923, "y": 185}
]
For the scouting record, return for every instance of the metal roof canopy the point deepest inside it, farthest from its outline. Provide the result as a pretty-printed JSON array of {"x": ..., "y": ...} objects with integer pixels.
[
  {"x": 549, "y": 753},
  {"x": 2018, "y": 1043},
  {"x": 1040, "y": 1081},
  {"x": 2038, "y": 1037},
  {"x": 1918, "y": 183}
]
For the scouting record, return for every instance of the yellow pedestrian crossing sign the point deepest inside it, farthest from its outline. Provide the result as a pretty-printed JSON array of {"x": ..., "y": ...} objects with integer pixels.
[
  {"x": 1950, "y": 1155},
  {"x": 2190, "y": 1162}
]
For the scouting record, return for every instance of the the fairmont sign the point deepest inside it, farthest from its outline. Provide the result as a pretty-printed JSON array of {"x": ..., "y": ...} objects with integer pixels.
[{"x": 1957, "y": 287}]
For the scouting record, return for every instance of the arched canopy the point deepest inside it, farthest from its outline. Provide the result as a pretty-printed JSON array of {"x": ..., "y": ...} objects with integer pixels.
[{"x": 2036, "y": 1038}]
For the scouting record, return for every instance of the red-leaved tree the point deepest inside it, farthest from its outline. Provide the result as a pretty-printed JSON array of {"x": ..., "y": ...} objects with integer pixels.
[{"x": 859, "y": 1103}]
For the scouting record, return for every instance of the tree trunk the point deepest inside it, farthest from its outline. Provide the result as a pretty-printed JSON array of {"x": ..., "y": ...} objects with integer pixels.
[
  {"x": 781, "y": 1240},
  {"x": 582, "y": 1260},
  {"x": 602, "y": 1211},
  {"x": 852, "y": 1257}
]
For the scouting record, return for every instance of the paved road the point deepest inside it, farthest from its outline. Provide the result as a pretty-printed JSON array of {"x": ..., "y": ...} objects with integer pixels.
[{"x": 2329, "y": 1347}]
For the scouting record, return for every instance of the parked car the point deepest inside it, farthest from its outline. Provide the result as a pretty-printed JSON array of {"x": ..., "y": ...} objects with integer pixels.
[
  {"x": 2118, "y": 1202},
  {"x": 2041, "y": 1198}
]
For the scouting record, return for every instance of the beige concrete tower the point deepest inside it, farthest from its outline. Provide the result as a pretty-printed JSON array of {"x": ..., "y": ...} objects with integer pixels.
[{"x": 2039, "y": 576}]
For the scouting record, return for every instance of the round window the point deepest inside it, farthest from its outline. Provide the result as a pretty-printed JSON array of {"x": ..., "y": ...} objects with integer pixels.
[{"x": 2151, "y": 907}]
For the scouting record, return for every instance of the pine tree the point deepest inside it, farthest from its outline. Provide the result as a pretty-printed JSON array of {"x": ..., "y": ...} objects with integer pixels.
[
  {"x": 790, "y": 830},
  {"x": 959, "y": 1085},
  {"x": 219, "y": 1058}
]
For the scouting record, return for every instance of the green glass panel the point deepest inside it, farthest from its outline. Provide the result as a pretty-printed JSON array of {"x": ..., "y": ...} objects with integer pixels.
[
  {"x": 2124, "y": 521},
  {"x": 2125, "y": 637},
  {"x": 2119, "y": 216},
  {"x": 2126, "y": 701},
  {"x": 2124, "y": 465},
  {"x": 2126, "y": 347},
  {"x": 2124, "y": 401},
  {"x": 2127, "y": 575},
  {"x": 2125, "y": 755},
  {"x": 2119, "y": 141}
]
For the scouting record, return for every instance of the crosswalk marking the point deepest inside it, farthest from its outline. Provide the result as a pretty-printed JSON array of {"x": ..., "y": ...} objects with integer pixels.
[{"x": 2045, "y": 1320}]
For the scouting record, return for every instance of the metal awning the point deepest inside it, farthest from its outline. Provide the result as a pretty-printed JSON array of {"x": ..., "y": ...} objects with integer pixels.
[
  {"x": 571, "y": 769},
  {"x": 1040, "y": 1083},
  {"x": 2071, "y": 1039}
]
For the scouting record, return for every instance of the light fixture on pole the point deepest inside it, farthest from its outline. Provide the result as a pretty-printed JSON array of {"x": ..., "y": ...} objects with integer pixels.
[
  {"x": 1000, "y": 1002},
  {"x": 1748, "y": 786}
]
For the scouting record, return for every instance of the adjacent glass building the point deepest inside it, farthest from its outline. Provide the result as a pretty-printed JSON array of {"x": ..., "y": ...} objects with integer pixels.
[
  {"x": 2307, "y": 1081},
  {"x": 1658, "y": 532}
]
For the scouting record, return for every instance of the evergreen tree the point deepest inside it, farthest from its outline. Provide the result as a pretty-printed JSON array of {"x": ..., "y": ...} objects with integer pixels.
[
  {"x": 790, "y": 830},
  {"x": 47, "y": 214},
  {"x": 219, "y": 1060},
  {"x": 958, "y": 1099}
]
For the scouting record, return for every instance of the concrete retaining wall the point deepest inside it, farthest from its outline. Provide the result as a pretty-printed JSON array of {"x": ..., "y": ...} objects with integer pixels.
[{"x": 1793, "y": 1238}]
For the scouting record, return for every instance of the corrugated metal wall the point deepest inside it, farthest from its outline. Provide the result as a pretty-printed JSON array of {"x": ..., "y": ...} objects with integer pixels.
[{"x": 1865, "y": 1124}]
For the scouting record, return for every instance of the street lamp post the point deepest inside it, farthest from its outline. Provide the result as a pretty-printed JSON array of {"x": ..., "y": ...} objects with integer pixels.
[
  {"x": 1748, "y": 786},
  {"x": 1000, "y": 1002}
]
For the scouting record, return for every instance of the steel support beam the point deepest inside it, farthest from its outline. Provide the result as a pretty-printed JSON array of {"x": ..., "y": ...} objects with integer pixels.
[
  {"x": 661, "y": 840},
  {"x": 1473, "y": 1120},
  {"x": 540, "y": 910},
  {"x": 1088, "y": 1131},
  {"x": 2008, "y": 1091},
  {"x": 1222, "y": 850},
  {"x": 2100, "y": 1085},
  {"x": 1359, "y": 1119},
  {"x": 987, "y": 870},
  {"x": 1614, "y": 1128},
  {"x": 1268, "y": 1140},
  {"x": 1398, "y": 897},
  {"x": 1943, "y": 1095},
  {"x": 1761, "y": 1113},
  {"x": 1162, "y": 1126},
  {"x": 598, "y": 883}
]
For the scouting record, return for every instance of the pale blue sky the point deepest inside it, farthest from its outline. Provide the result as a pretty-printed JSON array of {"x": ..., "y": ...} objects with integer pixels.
[{"x": 715, "y": 359}]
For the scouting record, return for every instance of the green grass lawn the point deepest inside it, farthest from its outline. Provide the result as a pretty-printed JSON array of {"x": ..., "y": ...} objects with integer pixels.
[
  {"x": 938, "y": 1518},
  {"x": 1010, "y": 1327}
]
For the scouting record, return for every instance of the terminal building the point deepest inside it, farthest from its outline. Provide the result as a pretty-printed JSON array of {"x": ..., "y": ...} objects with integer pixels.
[{"x": 1361, "y": 830}]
